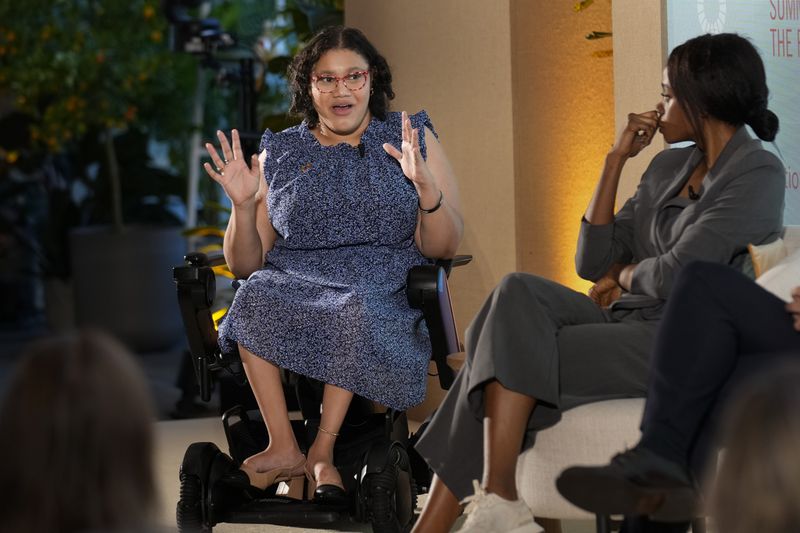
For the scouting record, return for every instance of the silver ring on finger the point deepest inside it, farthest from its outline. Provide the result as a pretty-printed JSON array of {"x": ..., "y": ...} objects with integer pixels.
[{"x": 225, "y": 161}]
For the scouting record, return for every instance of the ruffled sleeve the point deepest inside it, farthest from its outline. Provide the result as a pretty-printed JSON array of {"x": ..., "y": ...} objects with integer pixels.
[{"x": 420, "y": 121}]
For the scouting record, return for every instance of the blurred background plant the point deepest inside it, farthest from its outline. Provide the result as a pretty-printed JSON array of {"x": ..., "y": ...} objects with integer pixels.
[
  {"x": 88, "y": 85},
  {"x": 101, "y": 112}
]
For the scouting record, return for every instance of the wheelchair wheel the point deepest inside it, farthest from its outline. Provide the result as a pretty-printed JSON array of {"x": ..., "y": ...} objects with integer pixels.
[
  {"x": 202, "y": 464},
  {"x": 391, "y": 494},
  {"x": 189, "y": 513}
]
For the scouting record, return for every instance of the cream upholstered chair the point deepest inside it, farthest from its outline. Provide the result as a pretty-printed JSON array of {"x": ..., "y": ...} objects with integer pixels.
[
  {"x": 595, "y": 432},
  {"x": 791, "y": 238},
  {"x": 589, "y": 434}
]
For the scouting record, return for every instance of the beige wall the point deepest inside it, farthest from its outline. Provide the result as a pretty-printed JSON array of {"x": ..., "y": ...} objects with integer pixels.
[
  {"x": 563, "y": 126},
  {"x": 639, "y": 56}
]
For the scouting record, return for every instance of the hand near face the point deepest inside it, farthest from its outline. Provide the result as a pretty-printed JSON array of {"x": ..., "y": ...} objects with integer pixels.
[
  {"x": 239, "y": 181},
  {"x": 793, "y": 307},
  {"x": 638, "y": 133},
  {"x": 410, "y": 157}
]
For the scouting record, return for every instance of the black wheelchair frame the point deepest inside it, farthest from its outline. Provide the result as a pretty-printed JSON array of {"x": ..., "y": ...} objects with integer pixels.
[{"x": 374, "y": 454}]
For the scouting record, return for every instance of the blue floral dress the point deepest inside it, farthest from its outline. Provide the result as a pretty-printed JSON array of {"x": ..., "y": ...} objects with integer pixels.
[{"x": 330, "y": 301}]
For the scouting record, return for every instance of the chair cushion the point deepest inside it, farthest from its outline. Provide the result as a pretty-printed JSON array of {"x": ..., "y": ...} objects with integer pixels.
[
  {"x": 782, "y": 277},
  {"x": 590, "y": 434},
  {"x": 765, "y": 256},
  {"x": 791, "y": 238}
]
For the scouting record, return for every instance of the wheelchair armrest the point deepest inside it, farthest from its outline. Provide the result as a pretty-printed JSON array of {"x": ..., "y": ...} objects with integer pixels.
[
  {"x": 205, "y": 259},
  {"x": 427, "y": 290},
  {"x": 196, "y": 285},
  {"x": 457, "y": 261}
]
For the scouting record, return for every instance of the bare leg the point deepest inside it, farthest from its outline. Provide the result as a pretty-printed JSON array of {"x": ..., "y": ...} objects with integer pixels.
[
  {"x": 335, "y": 402},
  {"x": 441, "y": 510},
  {"x": 265, "y": 380},
  {"x": 504, "y": 423}
]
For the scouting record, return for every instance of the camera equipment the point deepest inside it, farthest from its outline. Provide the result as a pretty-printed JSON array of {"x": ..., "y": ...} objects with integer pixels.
[
  {"x": 204, "y": 37},
  {"x": 195, "y": 36}
]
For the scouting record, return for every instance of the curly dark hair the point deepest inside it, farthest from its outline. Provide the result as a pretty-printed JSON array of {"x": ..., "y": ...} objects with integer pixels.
[
  {"x": 722, "y": 76},
  {"x": 337, "y": 38}
]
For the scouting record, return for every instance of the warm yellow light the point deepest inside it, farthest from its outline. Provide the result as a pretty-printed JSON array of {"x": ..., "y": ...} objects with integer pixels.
[
  {"x": 216, "y": 316},
  {"x": 581, "y": 165},
  {"x": 563, "y": 127},
  {"x": 556, "y": 179}
]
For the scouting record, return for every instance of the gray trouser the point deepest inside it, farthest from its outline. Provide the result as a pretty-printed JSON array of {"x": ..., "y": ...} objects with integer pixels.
[{"x": 541, "y": 339}]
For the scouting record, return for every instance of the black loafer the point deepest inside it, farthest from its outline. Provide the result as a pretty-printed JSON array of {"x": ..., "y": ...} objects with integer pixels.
[
  {"x": 636, "y": 482},
  {"x": 330, "y": 495}
]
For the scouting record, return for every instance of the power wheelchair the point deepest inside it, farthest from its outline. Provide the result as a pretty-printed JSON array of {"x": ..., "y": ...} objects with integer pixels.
[{"x": 381, "y": 471}]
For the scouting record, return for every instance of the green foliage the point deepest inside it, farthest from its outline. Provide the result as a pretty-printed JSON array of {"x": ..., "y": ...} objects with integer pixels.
[
  {"x": 594, "y": 35},
  {"x": 80, "y": 66},
  {"x": 287, "y": 34},
  {"x": 81, "y": 71},
  {"x": 74, "y": 71},
  {"x": 598, "y": 35}
]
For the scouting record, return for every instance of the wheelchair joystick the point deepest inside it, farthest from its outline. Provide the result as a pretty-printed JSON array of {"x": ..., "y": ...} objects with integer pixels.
[{"x": 196, "y": 259}]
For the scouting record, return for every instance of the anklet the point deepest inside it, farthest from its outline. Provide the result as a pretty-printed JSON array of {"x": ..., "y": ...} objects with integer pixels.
[{"x": 322, "y": 429}]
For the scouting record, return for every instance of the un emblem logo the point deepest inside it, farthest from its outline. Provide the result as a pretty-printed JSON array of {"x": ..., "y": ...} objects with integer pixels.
[{"x": 711, "y": 20}]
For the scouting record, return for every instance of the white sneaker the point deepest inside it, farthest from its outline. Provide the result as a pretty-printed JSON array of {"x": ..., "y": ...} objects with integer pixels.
[{"x": 489, "y": 513}]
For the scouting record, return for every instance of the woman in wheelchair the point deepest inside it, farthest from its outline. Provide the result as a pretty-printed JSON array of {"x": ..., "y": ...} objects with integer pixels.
[
  {"x": 326, "y": 221},
  {"x": 537, "y": 348}
]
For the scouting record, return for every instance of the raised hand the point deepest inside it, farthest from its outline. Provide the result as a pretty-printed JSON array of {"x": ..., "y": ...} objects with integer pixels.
[
  {"x": 410, "y": 157},
  {"x": 638, "y": 133},
  {"x": 239, "y": 181}
]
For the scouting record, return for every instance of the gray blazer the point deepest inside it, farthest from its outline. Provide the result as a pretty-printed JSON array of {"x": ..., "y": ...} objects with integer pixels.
[{"x": 741, "y": 202}]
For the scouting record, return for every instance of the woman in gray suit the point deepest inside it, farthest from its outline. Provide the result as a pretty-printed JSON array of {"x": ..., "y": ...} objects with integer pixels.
[{"x": 537, "y": 348}]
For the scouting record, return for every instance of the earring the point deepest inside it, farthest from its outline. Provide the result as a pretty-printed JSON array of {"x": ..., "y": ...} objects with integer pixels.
[{"x": 371, "y": 90}]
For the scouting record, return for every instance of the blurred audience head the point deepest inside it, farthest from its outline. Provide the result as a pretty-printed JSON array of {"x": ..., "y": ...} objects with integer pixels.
[
  {"x": 76, "y": 439},
  {"x": 757, "y": 487}
]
